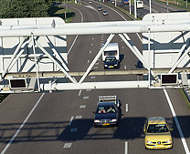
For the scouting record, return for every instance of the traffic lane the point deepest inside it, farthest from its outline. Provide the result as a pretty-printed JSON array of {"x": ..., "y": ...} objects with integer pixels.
[
  {"x": 182, "y": 110},
  {"x": 131, "y": 127},
  {"x": 42, "y": 132},
  {"x": 127, "y": 57},
  {"x": 77, "y": 18},
  {"x": 13, "y": 111},
  {"x": 49, "y": 127},
  {"x": 79, "y": 55}
]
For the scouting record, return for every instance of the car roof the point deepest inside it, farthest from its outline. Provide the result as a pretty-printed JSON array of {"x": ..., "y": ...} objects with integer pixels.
[{"x": 156, "y": 120}]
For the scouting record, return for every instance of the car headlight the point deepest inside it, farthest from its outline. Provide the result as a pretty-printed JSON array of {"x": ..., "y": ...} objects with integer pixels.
[
  {"x": 96, "y": 120},
  {"x": 168, "y": 141},
  {"x": 149, "y": 142},
  {"x": 115, "y": 64},
  {"x": 113, "y": 120},
  {"x": 106, "y": 65}
]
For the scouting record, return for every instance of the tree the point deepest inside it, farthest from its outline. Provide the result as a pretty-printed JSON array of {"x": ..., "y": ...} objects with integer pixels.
[{"x": 23, "y": 8}]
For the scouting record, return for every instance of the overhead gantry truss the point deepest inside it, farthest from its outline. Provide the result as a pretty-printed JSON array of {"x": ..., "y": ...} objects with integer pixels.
[{"x": 31, "y": 34}]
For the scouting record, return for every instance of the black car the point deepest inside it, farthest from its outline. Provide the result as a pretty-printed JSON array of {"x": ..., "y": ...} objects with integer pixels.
[
  {"x": 106, "y": 114},
  {"x": 99, "y": 8},
  {"x": 105, "y": 12},
  {"x": 111, "y": 62}
]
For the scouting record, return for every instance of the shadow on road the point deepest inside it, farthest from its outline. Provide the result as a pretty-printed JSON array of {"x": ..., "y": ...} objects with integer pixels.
[{"x": 82, "y": 129}]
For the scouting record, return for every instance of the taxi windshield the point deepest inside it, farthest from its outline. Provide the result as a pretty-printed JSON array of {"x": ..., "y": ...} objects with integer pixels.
[{"x": 157, "y": 128}]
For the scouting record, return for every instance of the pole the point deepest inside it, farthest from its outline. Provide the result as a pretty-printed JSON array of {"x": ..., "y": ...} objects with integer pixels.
[
  {"x": 130, "y": 6},
  {"x": 135, "y": 8},
  {"x": 167, "y": 6},
  {"x": 150, "y": 6},
  {"x": 65, "y": 10},
  {"x": 115, "y": 3}
]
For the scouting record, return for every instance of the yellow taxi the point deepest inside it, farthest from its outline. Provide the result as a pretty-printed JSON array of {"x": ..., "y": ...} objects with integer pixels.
[{"x": 157, "y": 134}]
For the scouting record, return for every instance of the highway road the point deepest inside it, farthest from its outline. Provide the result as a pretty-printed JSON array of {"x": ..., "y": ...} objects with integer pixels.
[{"x": 61, "y": 123}]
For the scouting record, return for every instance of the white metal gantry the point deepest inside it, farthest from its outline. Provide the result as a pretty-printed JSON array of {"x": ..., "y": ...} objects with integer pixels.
[{"x": 169, "y": 31}]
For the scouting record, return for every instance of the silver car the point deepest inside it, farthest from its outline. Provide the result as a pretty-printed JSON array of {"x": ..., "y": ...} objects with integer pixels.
[{"x": 105, "y": 12}]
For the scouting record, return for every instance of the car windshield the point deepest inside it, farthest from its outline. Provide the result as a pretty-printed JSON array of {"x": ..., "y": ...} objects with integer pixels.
[
  {"x": 157, "y": 128},
  {"x": 110, "y": 59},
  {"x": 105, "y": 109}
]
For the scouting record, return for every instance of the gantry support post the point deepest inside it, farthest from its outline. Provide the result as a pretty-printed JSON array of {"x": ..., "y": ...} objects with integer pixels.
[
  {"x": 58, "y": 55},
  {"x": 16, "y": 55},
  {"x": 36, "y": 63},
  {"x": 97, "y": 57},
  {"x": 179, "y": 60},
  {"x": 57, "y": 63}
]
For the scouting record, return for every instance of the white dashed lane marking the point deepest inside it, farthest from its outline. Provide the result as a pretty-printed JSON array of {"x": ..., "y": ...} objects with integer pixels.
[
  {"x": 127, "y": 107},
  {"x": 67, "y": 145},
  {"x": 71, "y": 120},
  {"x": 82, "y": 106},
  {"x": 78, "y": 117},
  {"x": 85, "y": 97}
]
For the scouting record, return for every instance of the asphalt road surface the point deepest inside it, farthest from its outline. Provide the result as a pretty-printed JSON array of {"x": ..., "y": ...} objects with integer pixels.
[{"x": 62, "y": 123}]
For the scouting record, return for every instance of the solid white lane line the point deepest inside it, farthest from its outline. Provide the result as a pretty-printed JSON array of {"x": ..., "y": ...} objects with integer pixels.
[
  {"x": 22, "y": 125},
  {"x": 72, "y": 44},
  {"x": 126, "y": 147},
  {"x": 71, "y": 120},
  {"x": 78, "y": 117},
  {"x": 82, "y": 18},
  {"x": 80, "y": 91},
  {"x": 177, "y": 123}
]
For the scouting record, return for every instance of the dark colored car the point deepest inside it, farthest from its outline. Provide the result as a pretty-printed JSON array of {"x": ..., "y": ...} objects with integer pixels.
[
  {"x": 105, "y": 12},
  {"x": 106, "y": 114},
  {"x": 99, "y": 8},
  {"x": 111, "y": 62}
]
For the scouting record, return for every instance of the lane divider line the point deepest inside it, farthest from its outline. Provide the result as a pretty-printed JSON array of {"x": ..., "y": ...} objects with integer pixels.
[
  {"x": 126, "y": 147},
  {"x": 177, "y": 122},
  {"x": 67, "y": 145},
  {"x": 22, "y": 125},
  {"x": 82, "y": 19},
  {"x": 127, "y": 107},
  {"x": 71, "y": 120}
]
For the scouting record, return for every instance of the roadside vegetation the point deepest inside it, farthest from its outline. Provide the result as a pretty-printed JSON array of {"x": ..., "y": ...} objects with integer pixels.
[
  {"x": 35, "y": 8},
  {"x": 178, "y": 3}
]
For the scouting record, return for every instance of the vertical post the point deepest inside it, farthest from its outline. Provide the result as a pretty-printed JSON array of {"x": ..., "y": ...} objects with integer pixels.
[
  {"x": 130, "y": 6},
  {"x": 150, "y": 6},
  {"x": 135, "y": 9},
  {"x": 149, "y": 73},
  {"x": 96, "y": 58},
  {"x": 115, "y": 3},
  {"x": 167, "y": 6},
  {"x": 65, "y": 10},
  {"x": 36, "y": 61},
  {"x": 186, "y": 3}
]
